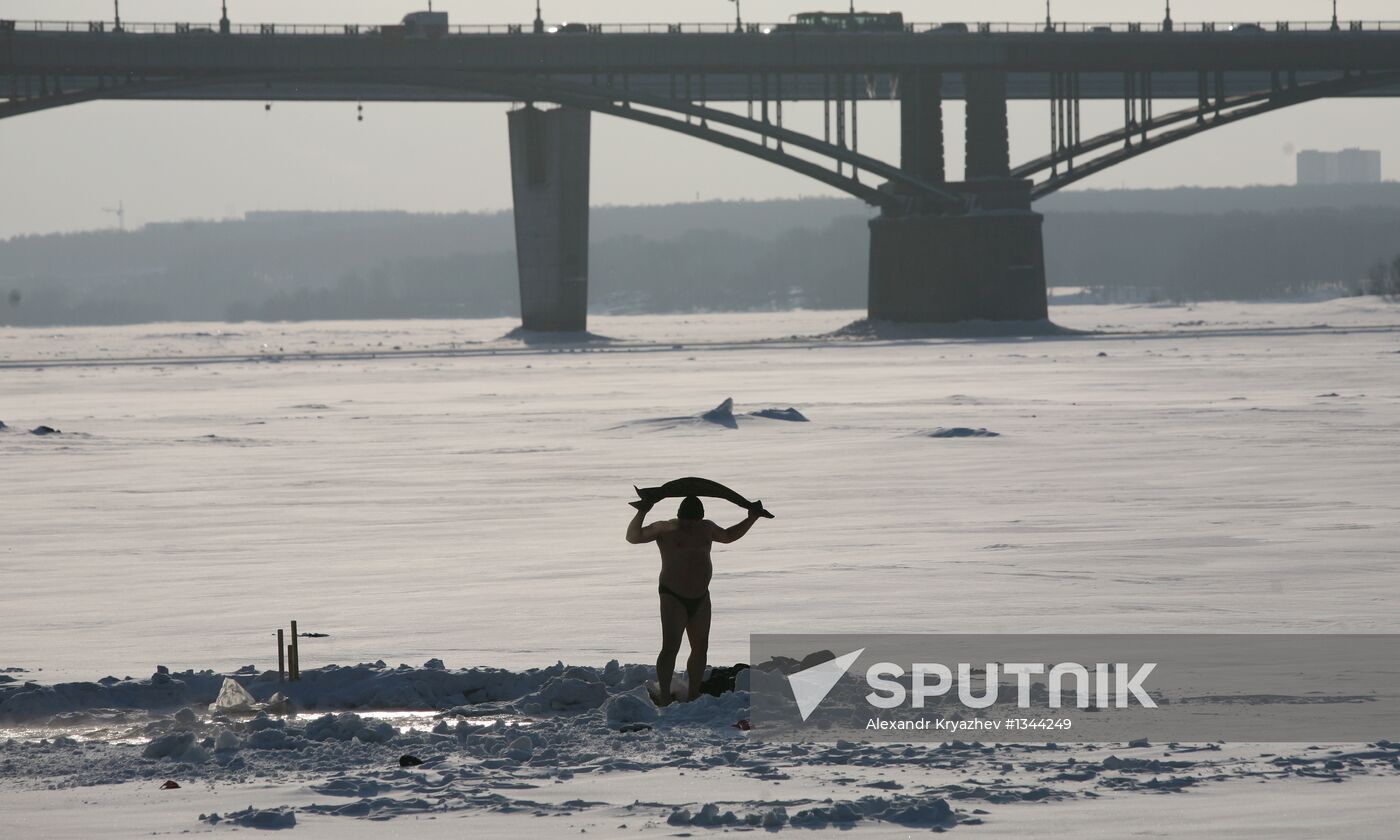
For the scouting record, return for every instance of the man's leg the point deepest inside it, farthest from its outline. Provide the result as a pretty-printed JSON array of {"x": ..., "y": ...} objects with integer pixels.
[
  {"x": 672, "y": 628},
  {"x": 697, "y": 630}
]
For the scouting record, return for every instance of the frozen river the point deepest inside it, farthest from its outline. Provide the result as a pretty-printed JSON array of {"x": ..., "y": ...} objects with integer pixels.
[{"x": 425, "y": 489}]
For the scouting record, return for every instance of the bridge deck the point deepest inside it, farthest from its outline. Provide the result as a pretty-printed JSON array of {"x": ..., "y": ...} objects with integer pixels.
[{"x": 715, "y": 67}]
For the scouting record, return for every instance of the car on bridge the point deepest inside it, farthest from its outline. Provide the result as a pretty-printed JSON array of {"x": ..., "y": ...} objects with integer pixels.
[
  {"x": 1246, "y": 27},
  {"x": 842, "y": 22},
  {"x": 951, "y": 28},
  {"x": 569, "y": 29}
]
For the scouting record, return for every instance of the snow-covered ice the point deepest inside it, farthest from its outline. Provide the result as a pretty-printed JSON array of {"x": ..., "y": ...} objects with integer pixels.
[
  {"x": 1228, "y": 467},
  {"x": 571, "y": 743}
]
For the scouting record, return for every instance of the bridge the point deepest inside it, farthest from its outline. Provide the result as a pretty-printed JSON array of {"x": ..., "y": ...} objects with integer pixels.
[{"x": 941, "y": 250}]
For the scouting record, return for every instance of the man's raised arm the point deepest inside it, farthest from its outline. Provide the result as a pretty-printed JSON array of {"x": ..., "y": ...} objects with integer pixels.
[
  {"x": 734, "y": 532},
  {"x": 638, "y": 533},
  {"x": 634, "y": 528}
]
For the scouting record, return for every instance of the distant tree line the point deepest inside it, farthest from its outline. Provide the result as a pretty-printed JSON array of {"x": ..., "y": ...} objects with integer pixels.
[
  {"x": 1220, "y": 256},
  {"x": 275, "y": 267},
  {"x": 1382, "y": 279},
  {"x": 699, "y": 271}
]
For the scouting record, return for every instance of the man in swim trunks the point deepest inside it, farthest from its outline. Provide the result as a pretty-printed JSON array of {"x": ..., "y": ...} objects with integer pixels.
[{"x": 685, "y": 583}]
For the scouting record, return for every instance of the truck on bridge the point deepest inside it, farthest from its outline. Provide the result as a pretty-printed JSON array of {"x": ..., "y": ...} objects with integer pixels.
[
  {"x": 419, "y": 26},
  {"x": 842, "y": 22}
]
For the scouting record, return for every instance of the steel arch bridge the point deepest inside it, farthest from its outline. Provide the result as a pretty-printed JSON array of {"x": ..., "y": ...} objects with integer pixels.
[
  {"x": 1071, "y": 159},
  {"x": 940, "y": 250}
]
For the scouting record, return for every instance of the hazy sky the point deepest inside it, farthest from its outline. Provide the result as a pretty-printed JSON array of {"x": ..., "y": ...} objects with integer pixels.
[{"x": 168, "y": 161}]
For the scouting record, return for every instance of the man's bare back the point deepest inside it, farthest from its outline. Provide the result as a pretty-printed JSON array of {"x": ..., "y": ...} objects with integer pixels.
[
  {"x": 686, "y": 567},
  {"x": 684, "y": 584}
]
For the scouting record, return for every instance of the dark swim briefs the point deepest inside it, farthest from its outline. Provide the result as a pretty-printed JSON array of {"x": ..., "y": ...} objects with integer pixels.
[{"x": 692, "y": 605}]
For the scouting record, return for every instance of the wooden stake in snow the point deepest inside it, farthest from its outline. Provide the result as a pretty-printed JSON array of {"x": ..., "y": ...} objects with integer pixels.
[
  {"x": 296, "y": 653},
  {"x": 281, "y": 656}
]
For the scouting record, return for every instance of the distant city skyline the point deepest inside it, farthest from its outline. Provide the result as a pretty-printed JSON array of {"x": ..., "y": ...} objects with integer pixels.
[
  {"x": 169, "y": 161},
  {"x": 1343, "y": 166}
]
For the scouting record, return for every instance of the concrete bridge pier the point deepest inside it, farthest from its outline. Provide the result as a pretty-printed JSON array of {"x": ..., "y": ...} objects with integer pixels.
[
  {"x": 921, "y": 124},
  {"x": 988, "y": 137},
  {"x": 549, "y": 157},
  {"x": 986, "y": 262}
]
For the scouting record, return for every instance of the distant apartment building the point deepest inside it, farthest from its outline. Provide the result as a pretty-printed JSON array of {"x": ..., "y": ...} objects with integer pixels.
[{"x": 1349, "y": 166}]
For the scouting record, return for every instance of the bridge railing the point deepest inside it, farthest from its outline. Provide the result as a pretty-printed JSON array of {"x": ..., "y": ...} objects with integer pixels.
[
  {"x": 1176, "y": 26},
  {"x": 344, "y": 29},
  {"x": 174, "y": 28}
]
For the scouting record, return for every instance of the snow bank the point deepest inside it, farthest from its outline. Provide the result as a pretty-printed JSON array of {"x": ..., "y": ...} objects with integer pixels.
[
  {"x": 558, "y": 689},
  {"x": 365, "y": 686},
  {"x": 494, "y": 756}
]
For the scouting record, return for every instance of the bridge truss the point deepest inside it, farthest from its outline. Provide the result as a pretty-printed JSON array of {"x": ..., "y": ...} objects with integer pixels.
[{"x": 833, "y": 158}]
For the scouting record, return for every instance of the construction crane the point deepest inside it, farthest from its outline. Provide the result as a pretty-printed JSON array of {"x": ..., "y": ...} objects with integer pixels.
[{"x": 120, "y": 212}]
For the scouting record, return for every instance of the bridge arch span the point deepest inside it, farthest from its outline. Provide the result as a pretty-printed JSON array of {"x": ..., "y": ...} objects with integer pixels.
[
  {"x": 1138, "y": 138},
  {"x": 912, "y": 193},
  {"x": 915, "y": 193}
]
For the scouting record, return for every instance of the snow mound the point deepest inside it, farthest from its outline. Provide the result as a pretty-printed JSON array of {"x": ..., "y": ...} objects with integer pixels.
[
  {"x": 723, "y": 416},
  {"x": 708, "y": 816},
  {"x": 348, "y": 726},
  {"x": 250, "y": 817},
  {"x": 927, "y": 811},
  {"x": 789, "y": 414},
  {"x": 722, "y": 711},
  {"x": 913, "y": 811},
  {"x": 960, "y": 432},
  {"x": 566, "y": 694},
  {"x": 227, "y": 741},
  {"x": 867, "y": 329},
  {"x": 351, "y": 787},
  {"x": 172, "y": 745},
  {"x": 176, "y": 746},
  {"x": 634, "y": 706},
  {"x": 532, "y": 338}
]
